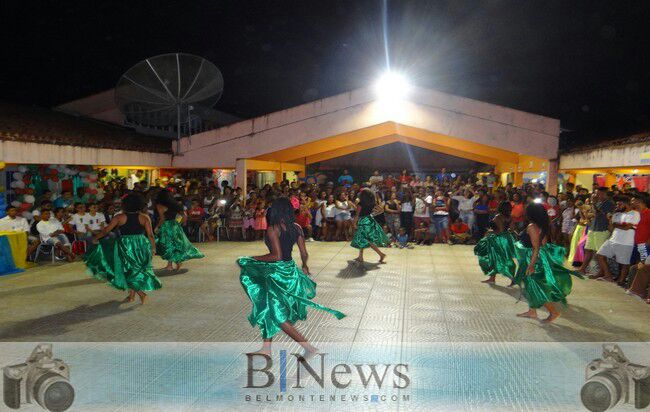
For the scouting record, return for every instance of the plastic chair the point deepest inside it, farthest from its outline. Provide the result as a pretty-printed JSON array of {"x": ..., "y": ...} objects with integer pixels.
[
  {"x": 42, "y": 248},
  {"x": 222, "y": 225}
]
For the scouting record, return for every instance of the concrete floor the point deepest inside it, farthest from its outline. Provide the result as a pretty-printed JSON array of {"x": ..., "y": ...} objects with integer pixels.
[
  {"x": 426, "y": 308},
  {"x": 426, "y": 294}
]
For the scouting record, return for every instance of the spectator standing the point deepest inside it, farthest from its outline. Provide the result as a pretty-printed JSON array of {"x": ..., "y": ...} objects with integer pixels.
[
  {"x": 405, "y": 178},
  {"x": 345, "y": 179},
  {"x": 466, "y": 206},
  {"x": 598, "y": 228},
  {"x": 482, "y": 214},
  {"x": 442, "y": 176},
  {"x": 621, "y": 243},
  {"x": 406, "y": 215},
  {"x": 392, "y": 213},
  {"x": 641, "y": 280},
  {"x": 440, "y": 217},
  {"x": 376, "y": 178},
  {"x": 421, "y": 212},
  {"x": 389, "y": 182}
]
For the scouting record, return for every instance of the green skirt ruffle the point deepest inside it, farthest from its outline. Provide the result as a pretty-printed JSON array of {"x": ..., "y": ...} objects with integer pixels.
[
  {"x": 496, "y": 254},
  {"x": 124, "y": 263},
  {"x": 368, "y": 231},
  {"x": 279, "y": 292},
  {"x": 551, "y": 281},
  {"x": 172, "y": 245}
]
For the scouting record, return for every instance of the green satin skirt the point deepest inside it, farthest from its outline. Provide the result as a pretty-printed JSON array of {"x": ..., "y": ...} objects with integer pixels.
[
  {"x": 172, "y": 245},
  {"x": 551, "y": 280},
  {"x": 368, "y": 231},
  {"x": 496, "y": 254},
  {"x": 280, "y": 292},
  {"x": 124, "y": 263}
]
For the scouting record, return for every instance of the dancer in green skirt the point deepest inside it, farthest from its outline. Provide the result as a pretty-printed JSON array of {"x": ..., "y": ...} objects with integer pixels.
[
  {"x": 496, "y": 251},
  {"x": 368, "y": 233},
  {"x": 541, "y": 268},
  {"x": 280, "y": 291},
  {"x": 171, "y": 243},
  {"x": 125, "y": 262}
]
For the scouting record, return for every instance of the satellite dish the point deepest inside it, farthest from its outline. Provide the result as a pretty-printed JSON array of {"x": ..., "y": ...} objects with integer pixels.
[{"x": 163, "y": 90}]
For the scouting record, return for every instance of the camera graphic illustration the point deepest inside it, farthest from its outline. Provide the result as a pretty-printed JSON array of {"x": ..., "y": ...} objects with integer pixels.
[
  {"x": 42, "y": 379},
  {"x": 613, "y": 380}
]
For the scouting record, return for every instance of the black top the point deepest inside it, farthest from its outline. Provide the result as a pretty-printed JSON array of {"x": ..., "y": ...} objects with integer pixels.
[
  {"x": 492, "y": 225},
  {"x": 366, "y": 210},
  {"x": 286, "y": 242},
  {"x": 132, "y": 225}
]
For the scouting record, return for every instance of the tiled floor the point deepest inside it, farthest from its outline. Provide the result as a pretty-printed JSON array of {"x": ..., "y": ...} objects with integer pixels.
[
  {"x": 426, "y": 308},
  {"x": 427, "y": 294}
]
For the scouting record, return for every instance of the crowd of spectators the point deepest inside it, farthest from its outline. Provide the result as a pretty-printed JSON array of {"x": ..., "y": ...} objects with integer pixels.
[{"x": 610, "y": 224}]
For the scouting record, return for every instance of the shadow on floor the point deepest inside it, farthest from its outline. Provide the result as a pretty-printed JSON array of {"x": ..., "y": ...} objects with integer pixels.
[
  {"x": 355, "y": 269},
  {"x": 58, "y": 323},
  {"x": 46, "y": 288},
  {"x": 514, "y": 291},
  {"x": 161, "y": 273},
  {"x": 598, "y": 329}
]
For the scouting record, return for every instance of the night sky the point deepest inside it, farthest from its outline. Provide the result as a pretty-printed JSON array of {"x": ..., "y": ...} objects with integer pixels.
[{"x": 584, "y": 62}]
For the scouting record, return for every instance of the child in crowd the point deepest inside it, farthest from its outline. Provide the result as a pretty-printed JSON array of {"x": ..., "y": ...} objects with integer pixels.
[
  {"x": 403, "y": 239},
  {"x": 249, "y": 220},
  {"x": 422, "y": 233},
  {"x": 236, "y": 219},
  {"x": 569, "y": 222},
  {"x": 195, "y": 216},
  {"x": 81, "y": 223},
  {"x": 260, "y": 219},
  {"x": 459, "y": 233},
  {"x": 96, "y": 220},
  {"x": 303, "y": 218}
]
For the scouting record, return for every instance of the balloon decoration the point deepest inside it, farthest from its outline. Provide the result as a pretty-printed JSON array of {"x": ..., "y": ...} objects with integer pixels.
[{"x": 28, "y": 182}]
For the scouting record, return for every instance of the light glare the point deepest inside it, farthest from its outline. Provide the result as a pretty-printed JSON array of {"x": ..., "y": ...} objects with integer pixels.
[{"x": 391, "y": 86}]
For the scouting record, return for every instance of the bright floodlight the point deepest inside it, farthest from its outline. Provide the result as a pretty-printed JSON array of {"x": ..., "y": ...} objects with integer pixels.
[{"x": 391, "y": 86}]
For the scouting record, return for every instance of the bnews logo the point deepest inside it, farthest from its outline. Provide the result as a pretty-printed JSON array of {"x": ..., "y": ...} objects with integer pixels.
[{"x": 340, "y": 375}]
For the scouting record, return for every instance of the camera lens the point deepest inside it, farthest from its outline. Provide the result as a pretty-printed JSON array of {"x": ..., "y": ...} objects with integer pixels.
[
  {"x": 53, "y": 392},
  {"x": 602, "y": 392}
]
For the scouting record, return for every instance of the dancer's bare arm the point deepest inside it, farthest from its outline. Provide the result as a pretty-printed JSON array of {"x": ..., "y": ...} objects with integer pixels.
[{"x": 146, "y": 222}]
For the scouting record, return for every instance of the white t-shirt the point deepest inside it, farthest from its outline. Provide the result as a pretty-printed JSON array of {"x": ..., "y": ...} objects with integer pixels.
[
  {"x": 421, "y": 209},
  {"x": 80, "y": 222},
  {"x": 624, "y": 237},
  {"x": 407, "y": 206},
  {"x": 131, "y": 181},
  {"x": 45, "y": 229},
  {"x": 330, "y": 211},
  {"x": 95, "y": 222},
  {"x": 465, "y": 204},
  {"x": 17, "y": 224}
]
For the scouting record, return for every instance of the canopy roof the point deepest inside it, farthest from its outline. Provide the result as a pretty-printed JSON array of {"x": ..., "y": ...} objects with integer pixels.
[{"x": 356, "y": 120}]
